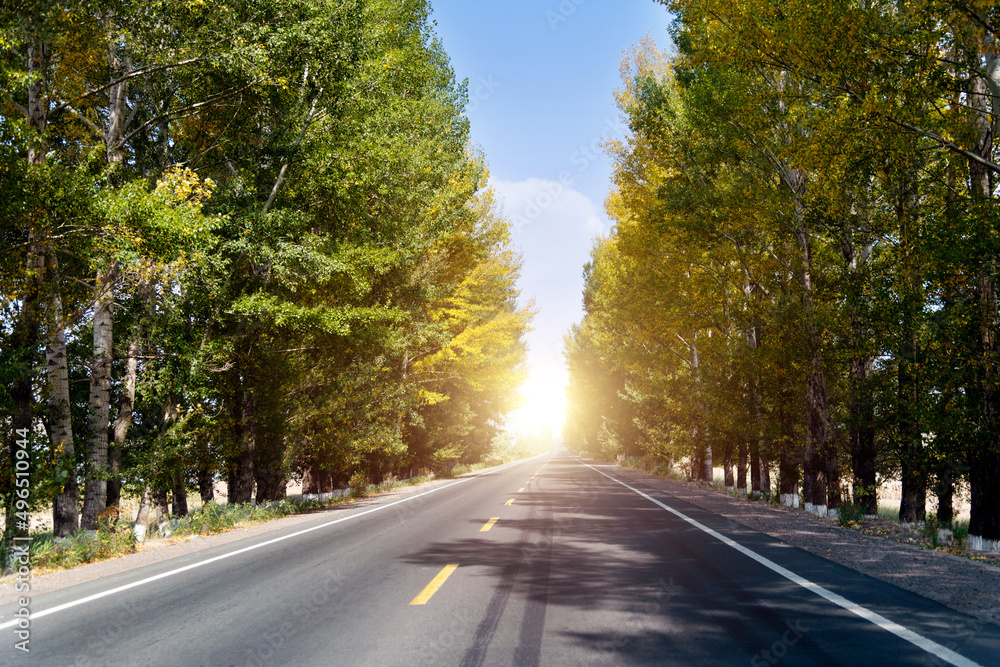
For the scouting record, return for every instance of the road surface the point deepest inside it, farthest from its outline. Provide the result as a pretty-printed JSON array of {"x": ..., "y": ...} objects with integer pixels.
[{"x": 548, "y": 561}]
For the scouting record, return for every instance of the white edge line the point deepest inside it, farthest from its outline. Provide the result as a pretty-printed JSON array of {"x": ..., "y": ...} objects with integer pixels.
[
  {"x": 920, "y": 641},
  {"x": 170, "y": 573}
]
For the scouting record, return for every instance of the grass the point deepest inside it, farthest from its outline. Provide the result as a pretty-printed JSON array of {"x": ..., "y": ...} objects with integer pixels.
[
  {"x": 113, "y": 538},
  {"x": 888, "y": 512}
]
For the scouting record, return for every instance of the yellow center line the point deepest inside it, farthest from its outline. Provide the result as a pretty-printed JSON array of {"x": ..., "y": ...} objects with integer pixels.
[
  {"x": 509, "y": 502},
  {"x": 521, "y": 490},
  {"x": 489, "y": 524},
  {"x": 435, "y": 584}
]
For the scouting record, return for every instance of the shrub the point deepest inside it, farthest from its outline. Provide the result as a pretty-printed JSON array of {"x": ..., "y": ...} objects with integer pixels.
[
  {"x": 113, "y": 538},
  {"x": 389, "y": 482},
  {"x": 359, "y": 485},
  {"x": 931, "y": 528},
  {"x": 849, "y": 514},
  {"x": 961, "y": 533}
]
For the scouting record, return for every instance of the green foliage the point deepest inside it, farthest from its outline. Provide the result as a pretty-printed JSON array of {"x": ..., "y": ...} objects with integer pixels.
[
  {"x": 309, "y": 270},
  {"x": 850, "y": 514},
  {"x": 360, "y": 488},
  {"x": 216, "y": 518},
  {"x": 113, "y": 538},
  {"x": 805, "y": 221}
]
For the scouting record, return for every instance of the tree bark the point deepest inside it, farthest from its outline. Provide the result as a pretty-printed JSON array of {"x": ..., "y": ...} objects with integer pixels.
[
  {"x": 179, "y": 493},
  {"x": 984, "y": 477},
  {"x": 862, "y": 437},
  {"x": 945, "y": 490},
  {"x": 820, "y": 456},
  {"x": 741, "y": 468},
  {"x": 206, "y": 485},
  {"x": 123, "y": 422},
  {"x": 727, "y": 467},
  {"x": 65, "y": 512},
  {"x": 65, "y": 508},
  {"x": 96, "y": 486},
  {"x": 755, "y": 466},
  {"x": 242, "y": 477}
]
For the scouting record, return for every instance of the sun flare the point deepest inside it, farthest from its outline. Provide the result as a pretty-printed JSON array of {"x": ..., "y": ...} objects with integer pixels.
[{"x": 544, "y": 405}]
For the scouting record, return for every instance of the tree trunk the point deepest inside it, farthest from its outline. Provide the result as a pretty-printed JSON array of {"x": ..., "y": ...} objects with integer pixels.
[
  {"x": 912, "y": 506},
  {"x": 95, "y": 489},
  {"x": 241, "y": 490},
  {"x": 788, "y": 478},
  {"x": 117, "y": 105},
  {"x": 38, "y": 105},
  {"x": 206, "y": 486},
  {"x": 727, "y": 467},
  {"x": 65, "y": 508},
  {"x": 741, "y": 468},
  {"x": 765, "y": 474},
  {"x": 697, "y": 463},
  {"x": 708, "y": 467},
  {"x": 819, "y": 448},
  {"x": 179, "y": 493},
  {"x": 123, "y": 422},
  {"x": 945, "y": 491},
  {"x": 862, "y": 438},
  {"x": 984, "y": 477},
  {"x": 25, "y": 340}
]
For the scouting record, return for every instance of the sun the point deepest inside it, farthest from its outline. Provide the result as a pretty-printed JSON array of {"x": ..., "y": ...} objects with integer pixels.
[{"x": 544, "y": 405}]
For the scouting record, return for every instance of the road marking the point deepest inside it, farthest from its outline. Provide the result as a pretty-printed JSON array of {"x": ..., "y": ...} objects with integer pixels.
[
  {"x": 435, "y": 584},
  {"x": 489, "y": 524},
  {"x": 509, "y": 502},
  {"x": 919, "y": 641},
  {"x": 521, "y": 490},
  {"x": 163, "y": 575}
]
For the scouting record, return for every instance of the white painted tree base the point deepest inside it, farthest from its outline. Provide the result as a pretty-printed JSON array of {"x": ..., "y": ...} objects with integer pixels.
[
  {"x": 730, "y": 489},
  {"x": 977, "y": 543},
  {"x": 832, "y": 513},
  {"x": 742, "y": 493},
  {"x": 323, "y": 497},
  {"x": 790, "y": 499},
  {"x": 818, "y": 510}
]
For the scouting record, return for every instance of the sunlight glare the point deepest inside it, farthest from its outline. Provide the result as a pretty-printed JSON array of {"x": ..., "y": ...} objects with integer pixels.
[{"x": 544, "y": 405}]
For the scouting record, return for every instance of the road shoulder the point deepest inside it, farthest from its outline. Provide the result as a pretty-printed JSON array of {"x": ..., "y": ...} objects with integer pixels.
[{"x": 958, "y": 583}]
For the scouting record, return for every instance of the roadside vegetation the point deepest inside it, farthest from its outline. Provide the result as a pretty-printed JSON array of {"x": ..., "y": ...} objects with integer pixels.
[
  {"x": 116, "y": 536},
  {"x": 800, "y": 287},
  {"x": 929, "y": 533},
  {"x": 241, "y": 241}
]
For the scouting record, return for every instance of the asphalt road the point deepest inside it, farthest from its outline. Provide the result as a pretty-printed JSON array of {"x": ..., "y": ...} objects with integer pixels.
[{"x": 543, "y": 562}]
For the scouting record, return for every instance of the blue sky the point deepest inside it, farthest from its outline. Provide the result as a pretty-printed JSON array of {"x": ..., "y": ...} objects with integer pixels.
[{"x": 542, "y": 75}]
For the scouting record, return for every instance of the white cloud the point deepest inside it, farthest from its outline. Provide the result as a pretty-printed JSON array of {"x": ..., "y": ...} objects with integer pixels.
[{"x": 554, "y": 227}]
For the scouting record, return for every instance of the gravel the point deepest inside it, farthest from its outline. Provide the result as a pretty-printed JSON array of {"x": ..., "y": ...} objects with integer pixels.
[{"x": 881, "y": 549}]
